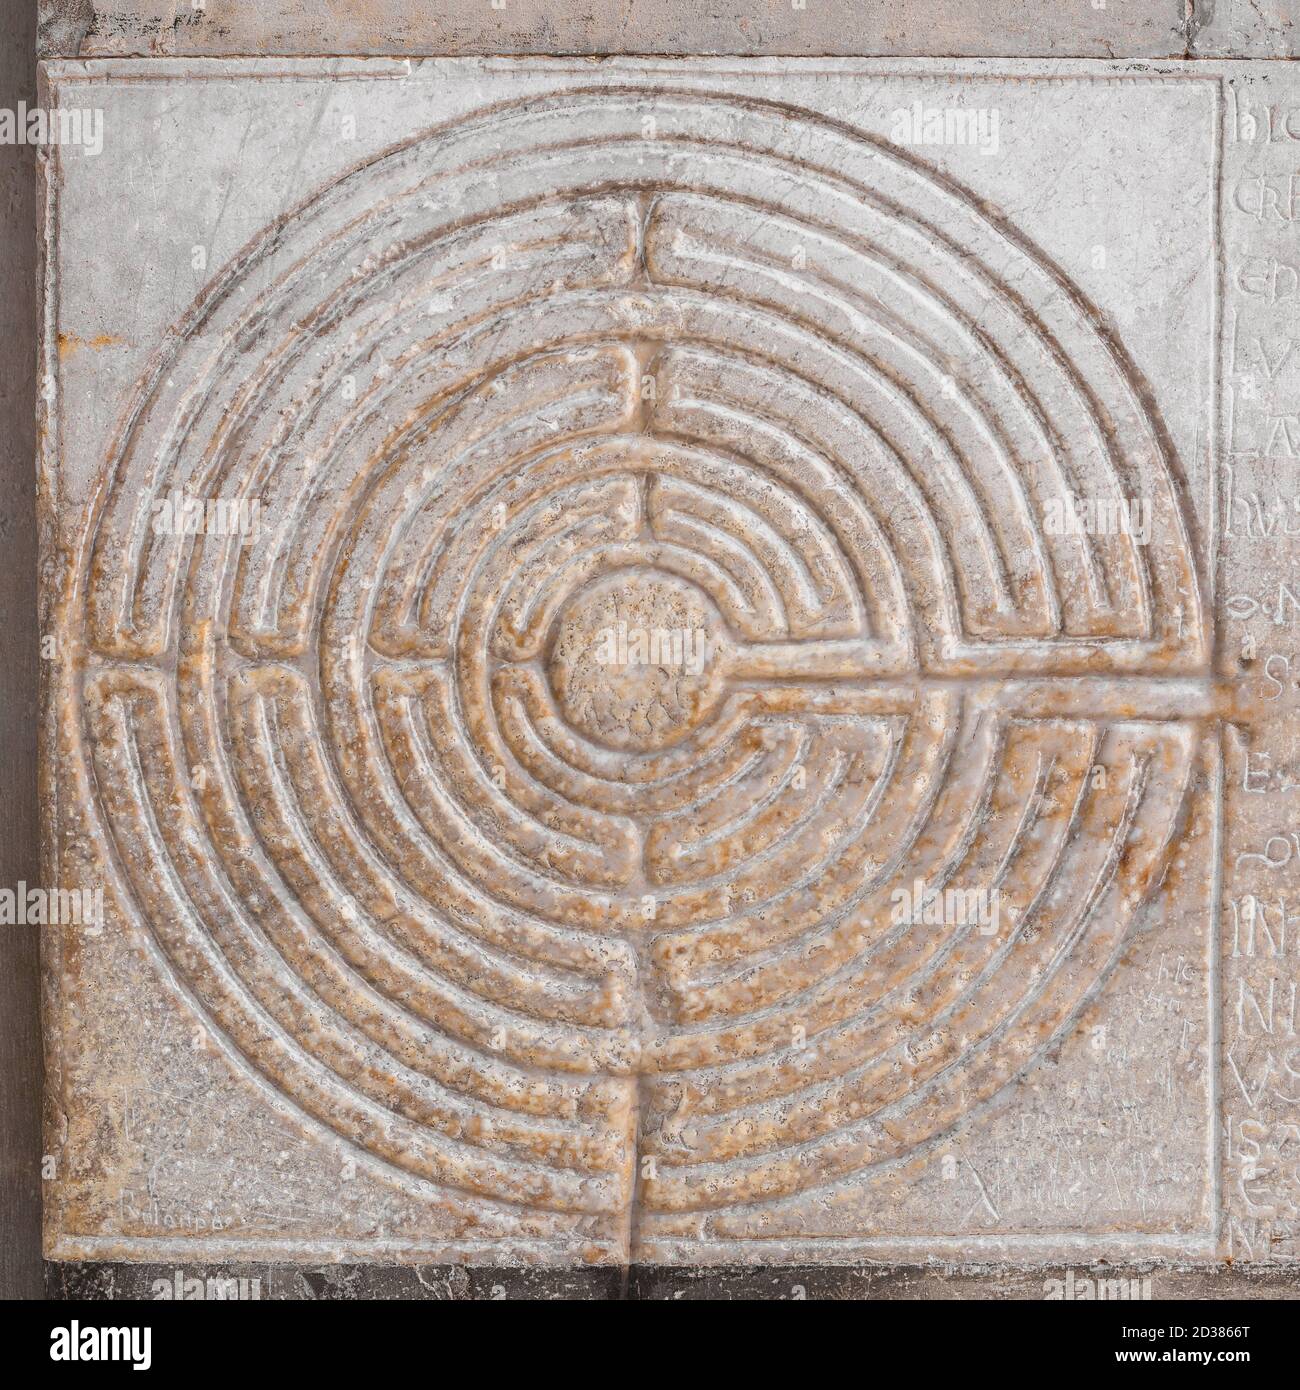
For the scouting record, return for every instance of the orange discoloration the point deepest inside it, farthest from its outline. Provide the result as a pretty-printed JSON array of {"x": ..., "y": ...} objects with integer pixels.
[{"x": 69, "y": 343}]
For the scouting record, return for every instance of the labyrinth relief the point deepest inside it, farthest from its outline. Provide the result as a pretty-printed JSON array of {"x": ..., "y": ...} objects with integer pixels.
[{"x": 649, "y": 760}]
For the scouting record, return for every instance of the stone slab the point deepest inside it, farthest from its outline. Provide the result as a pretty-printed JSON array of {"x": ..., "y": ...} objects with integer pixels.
[
  {"x": 908, "y": 28},
  {"x": 793, "y": 1283},
  {"x": 1253, "y": 29},
  {"x": 20, "y": 1031},
  {"x": 671, "y": 664}
]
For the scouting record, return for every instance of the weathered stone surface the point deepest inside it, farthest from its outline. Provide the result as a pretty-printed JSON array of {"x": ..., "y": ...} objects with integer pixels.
[
  {"x": 20, "y": 1030},
  {"x": 1244, "y": 29},
  {"x": 467, "y": 1283},
  {"x": 648, "y": 570},
  {"x": 907, "y": 28}
]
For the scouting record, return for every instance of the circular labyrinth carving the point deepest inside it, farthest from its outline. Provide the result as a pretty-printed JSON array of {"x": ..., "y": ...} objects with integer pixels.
[{"x": 650, "y": 582}]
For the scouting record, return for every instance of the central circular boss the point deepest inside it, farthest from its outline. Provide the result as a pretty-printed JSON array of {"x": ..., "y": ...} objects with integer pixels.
[{"x": 636, "y": 662}]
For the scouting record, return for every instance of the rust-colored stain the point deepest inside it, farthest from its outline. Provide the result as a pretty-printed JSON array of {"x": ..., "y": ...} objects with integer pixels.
[{"x": 70, "y": 344}]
